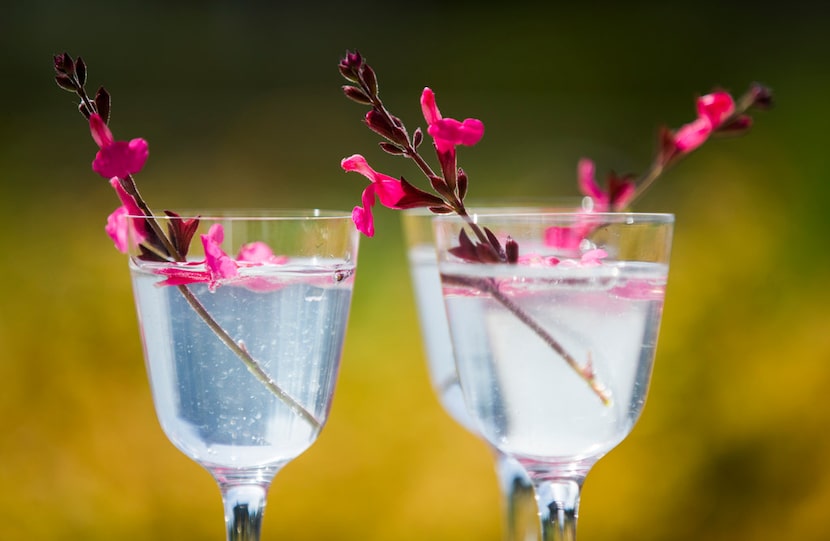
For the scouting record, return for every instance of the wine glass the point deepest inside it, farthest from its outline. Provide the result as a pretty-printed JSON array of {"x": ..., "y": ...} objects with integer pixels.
[
  {"x": 554, "y": 348},
  {"x": 516, "y": 488},
  {"x": 242, "y": 351}
]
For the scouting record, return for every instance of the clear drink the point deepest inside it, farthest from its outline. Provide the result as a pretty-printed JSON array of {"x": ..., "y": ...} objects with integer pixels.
[
  {"x": 435, "y": 331},
  {"x": 530, "y": 403},
  {"x": 291, "y": 318}
]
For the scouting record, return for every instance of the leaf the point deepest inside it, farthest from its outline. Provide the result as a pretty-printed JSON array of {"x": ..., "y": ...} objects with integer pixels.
[{"x": 511, "y": 250}]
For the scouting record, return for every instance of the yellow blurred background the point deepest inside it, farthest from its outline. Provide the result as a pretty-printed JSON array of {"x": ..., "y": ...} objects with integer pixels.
[{"x": 240, "y": 102}]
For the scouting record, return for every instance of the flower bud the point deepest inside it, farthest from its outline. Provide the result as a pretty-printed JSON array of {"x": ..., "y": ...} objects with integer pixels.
[
  {"x": 761, "y": 96},
  {"x": 511, "y": 250}
]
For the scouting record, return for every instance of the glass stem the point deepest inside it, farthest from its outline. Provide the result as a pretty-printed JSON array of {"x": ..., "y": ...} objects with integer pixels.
[
  {"x": 520, "y": 510},
  {"x": 244, "y": 506},
  {"x": 558, "y": 501}
]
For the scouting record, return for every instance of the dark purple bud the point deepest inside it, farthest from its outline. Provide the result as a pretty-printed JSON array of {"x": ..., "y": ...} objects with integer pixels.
[
  {"x": 380, "y": 124},
  {"x": 66, "y": 82},
  {"x": 80, "y": 69},
  {"x": 737, "y": 126},
  {"x": 391, "y": 148},
  {"x": 439, "y": 185},
  {"x": 462, "y": 184},
  {"x": 356, "y": 94},
  {"x": 367, "y": 75},
  {"x": 448, "y": 168},
  {"x": 761, "y": 96},
  {"x": 102, "y": 104},
  {"x": 417, "y": 138},
  {"x": 350, "y": 65},
  {"x": 64, "y": 64},
  {"x": 511, "y": 250}
]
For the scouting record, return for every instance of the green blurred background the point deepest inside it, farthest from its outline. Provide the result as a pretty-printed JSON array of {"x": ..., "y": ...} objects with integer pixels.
[{"x": 240, "y": 102}]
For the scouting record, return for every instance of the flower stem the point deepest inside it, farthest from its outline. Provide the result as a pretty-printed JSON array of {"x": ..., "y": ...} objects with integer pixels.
[
  {"x": 253, "y": 366},
  {"x": 250, "y": 363},
  {"x": 585, "y": 372}
]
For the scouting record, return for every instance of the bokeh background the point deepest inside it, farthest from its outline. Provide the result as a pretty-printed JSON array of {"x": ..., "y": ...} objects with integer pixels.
[{"x": 240, "y": 102}]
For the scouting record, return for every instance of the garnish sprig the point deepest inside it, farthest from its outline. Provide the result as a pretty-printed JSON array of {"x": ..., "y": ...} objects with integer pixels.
[
  {"x": 450, "y": 186},
  {"x": 121, "y": 160}
]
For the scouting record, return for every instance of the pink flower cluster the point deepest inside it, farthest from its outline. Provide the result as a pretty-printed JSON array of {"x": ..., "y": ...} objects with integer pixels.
[
  {"x": 117, "y": 160},
  {"x": 713, "y": 110},
  {"x": 447, "y": 133},
  {"x": 217, "y": 265}
]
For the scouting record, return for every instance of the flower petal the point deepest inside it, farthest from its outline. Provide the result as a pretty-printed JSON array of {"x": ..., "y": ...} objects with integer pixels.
[
  {"x": 121, "y": 158},
  {"x": 587, "y": 181},
  {"x": 717, "y": 107},
  {"x": 117, "y": 228},
  {"x": 363, "y": 220},
  {"x": 257, "y": 253},
  {"x": 451, "y": 132},
  {"x": 101, "y": 134},
  {"x": 219, "y": 264},
  {"x": 429, "y": 107},
  {"x": 693, "y": 134}
]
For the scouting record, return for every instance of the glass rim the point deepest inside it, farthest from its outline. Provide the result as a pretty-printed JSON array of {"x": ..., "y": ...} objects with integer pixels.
[
  {"x": 654, "y": 217},
  {"x": 512, "y": 206},
  {"x": 265, "y": 214}
]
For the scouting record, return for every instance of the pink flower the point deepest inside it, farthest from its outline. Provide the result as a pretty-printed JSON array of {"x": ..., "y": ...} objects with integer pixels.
[
  {"x": 448, "y": 132},
  {"x": 387, "y": 189},
  {"x": 218, "y": 265},
  {"x": 565, "y": 238},
  {"x": 258, "y": 253},
  {"x": 620, "y": 190},
  {"x": 120, "y": 228},
  {"x": 116, "y": 158},
  {"x": 712, "y": 111}
]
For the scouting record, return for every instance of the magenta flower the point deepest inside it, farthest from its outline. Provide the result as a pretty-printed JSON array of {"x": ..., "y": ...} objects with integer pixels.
[
  {"x": 712, "y": 111},
  {"x": 119, "y": 227},
  {"x": 619, "y": 194},
  {"x": 387, "y": 189},
  {"x": 448, "y": 132},
  {"x": 218, "y": 265},
  {"x": 257, "y": 253},
  {"x": 116, "y": 158}
]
